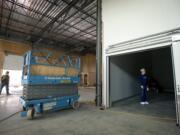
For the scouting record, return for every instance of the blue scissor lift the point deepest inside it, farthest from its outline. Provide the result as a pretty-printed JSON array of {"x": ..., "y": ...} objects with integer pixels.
[{"x": 48, "y": 103}]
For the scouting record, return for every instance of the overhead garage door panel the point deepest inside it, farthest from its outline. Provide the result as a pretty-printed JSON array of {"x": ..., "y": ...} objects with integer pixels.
[{"x": 152, "y": 41}]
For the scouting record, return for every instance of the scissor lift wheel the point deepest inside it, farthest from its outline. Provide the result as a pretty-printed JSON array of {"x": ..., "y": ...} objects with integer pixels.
[
  {"x": 75, "y": 105},
  {"x": 30, "y": 113}
]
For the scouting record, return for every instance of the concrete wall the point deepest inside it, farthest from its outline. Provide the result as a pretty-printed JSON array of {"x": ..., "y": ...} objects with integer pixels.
[
  {"x": 124, "y": 20},
  {"x": 124, "y": 72},
  {"x": 13, "y": 47}
]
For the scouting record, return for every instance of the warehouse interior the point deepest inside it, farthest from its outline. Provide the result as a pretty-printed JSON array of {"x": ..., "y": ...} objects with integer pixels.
[
  {"x": 27, "y": 25},
  {"x": 84, "y": 29},
  {"x": 13, "y": 63},
  {"x": 125, "y": 84}
]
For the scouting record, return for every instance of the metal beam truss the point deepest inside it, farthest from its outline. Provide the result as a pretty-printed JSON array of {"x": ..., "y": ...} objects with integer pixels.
[{"x": 69, "y": 24}]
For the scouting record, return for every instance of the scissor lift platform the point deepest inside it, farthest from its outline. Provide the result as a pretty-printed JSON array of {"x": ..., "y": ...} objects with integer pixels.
[{"x": 32, "y": 107}]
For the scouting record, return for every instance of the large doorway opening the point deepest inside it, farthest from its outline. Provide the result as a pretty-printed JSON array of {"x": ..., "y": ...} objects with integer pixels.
[
  {"x": 125, "y": 88},
  {"x": 13, "y": 64}
]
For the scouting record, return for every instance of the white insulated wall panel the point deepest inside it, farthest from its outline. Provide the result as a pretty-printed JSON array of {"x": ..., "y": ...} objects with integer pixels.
[{"x": 125, "y": 20}]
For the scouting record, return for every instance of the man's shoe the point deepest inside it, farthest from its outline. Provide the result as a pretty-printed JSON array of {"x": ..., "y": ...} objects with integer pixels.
[
  {"x": 146, "y": 103},
  {"x": 142, "y": 103}
]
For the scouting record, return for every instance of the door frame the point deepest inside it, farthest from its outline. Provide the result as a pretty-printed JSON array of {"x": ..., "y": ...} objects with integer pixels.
[
  {"x": 108, "y": 95},
  {"x": 175, "y": 88}
]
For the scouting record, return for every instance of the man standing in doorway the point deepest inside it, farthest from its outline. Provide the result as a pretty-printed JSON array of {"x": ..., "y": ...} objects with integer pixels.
[
  {"x": 144, "y": 86},
  {"x": 5, "y": 82}
]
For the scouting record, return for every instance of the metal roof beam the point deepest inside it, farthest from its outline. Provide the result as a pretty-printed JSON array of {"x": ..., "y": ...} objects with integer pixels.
[
  {"x": 80, "y": 10},
  {"x": 55, "y": 41},
  {"x": 32, "y": 34},
  {"x": 30, "y": 9},
  {"x": 74, "y": 19},
  {"x": 73, "y": 26},
  {"x": 78, "y": 33},
  {"x": 67, "y": 8},
  {"x": 46, "y": 14},
  {"x": 53, "y": 33},
  {"x": 12, "y": 7},
  {"x": 47, "y": 11},
  {"x": 17, "y": 21}
]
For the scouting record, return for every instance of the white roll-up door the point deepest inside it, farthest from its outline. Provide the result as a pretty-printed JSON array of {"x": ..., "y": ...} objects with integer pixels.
[
  {"x": 13, "y": 64},
  {"x": 149, "y": 42}
]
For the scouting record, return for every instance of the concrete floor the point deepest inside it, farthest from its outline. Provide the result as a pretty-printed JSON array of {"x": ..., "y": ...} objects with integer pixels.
[
  {"x": 87, "y": 120},
  {"x": 8, "y": 105},
  {"x": 160, "y": 105}
]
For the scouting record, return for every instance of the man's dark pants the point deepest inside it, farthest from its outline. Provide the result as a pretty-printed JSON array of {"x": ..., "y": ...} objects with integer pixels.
[
  {"x": 7, "y": 88},
  {"x": 144, "y": 94}
]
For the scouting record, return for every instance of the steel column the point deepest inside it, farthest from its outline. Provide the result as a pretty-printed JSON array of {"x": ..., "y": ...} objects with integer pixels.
[
  {"x": 2, "y": 4},
  {"x": 99, "y": 55}
]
